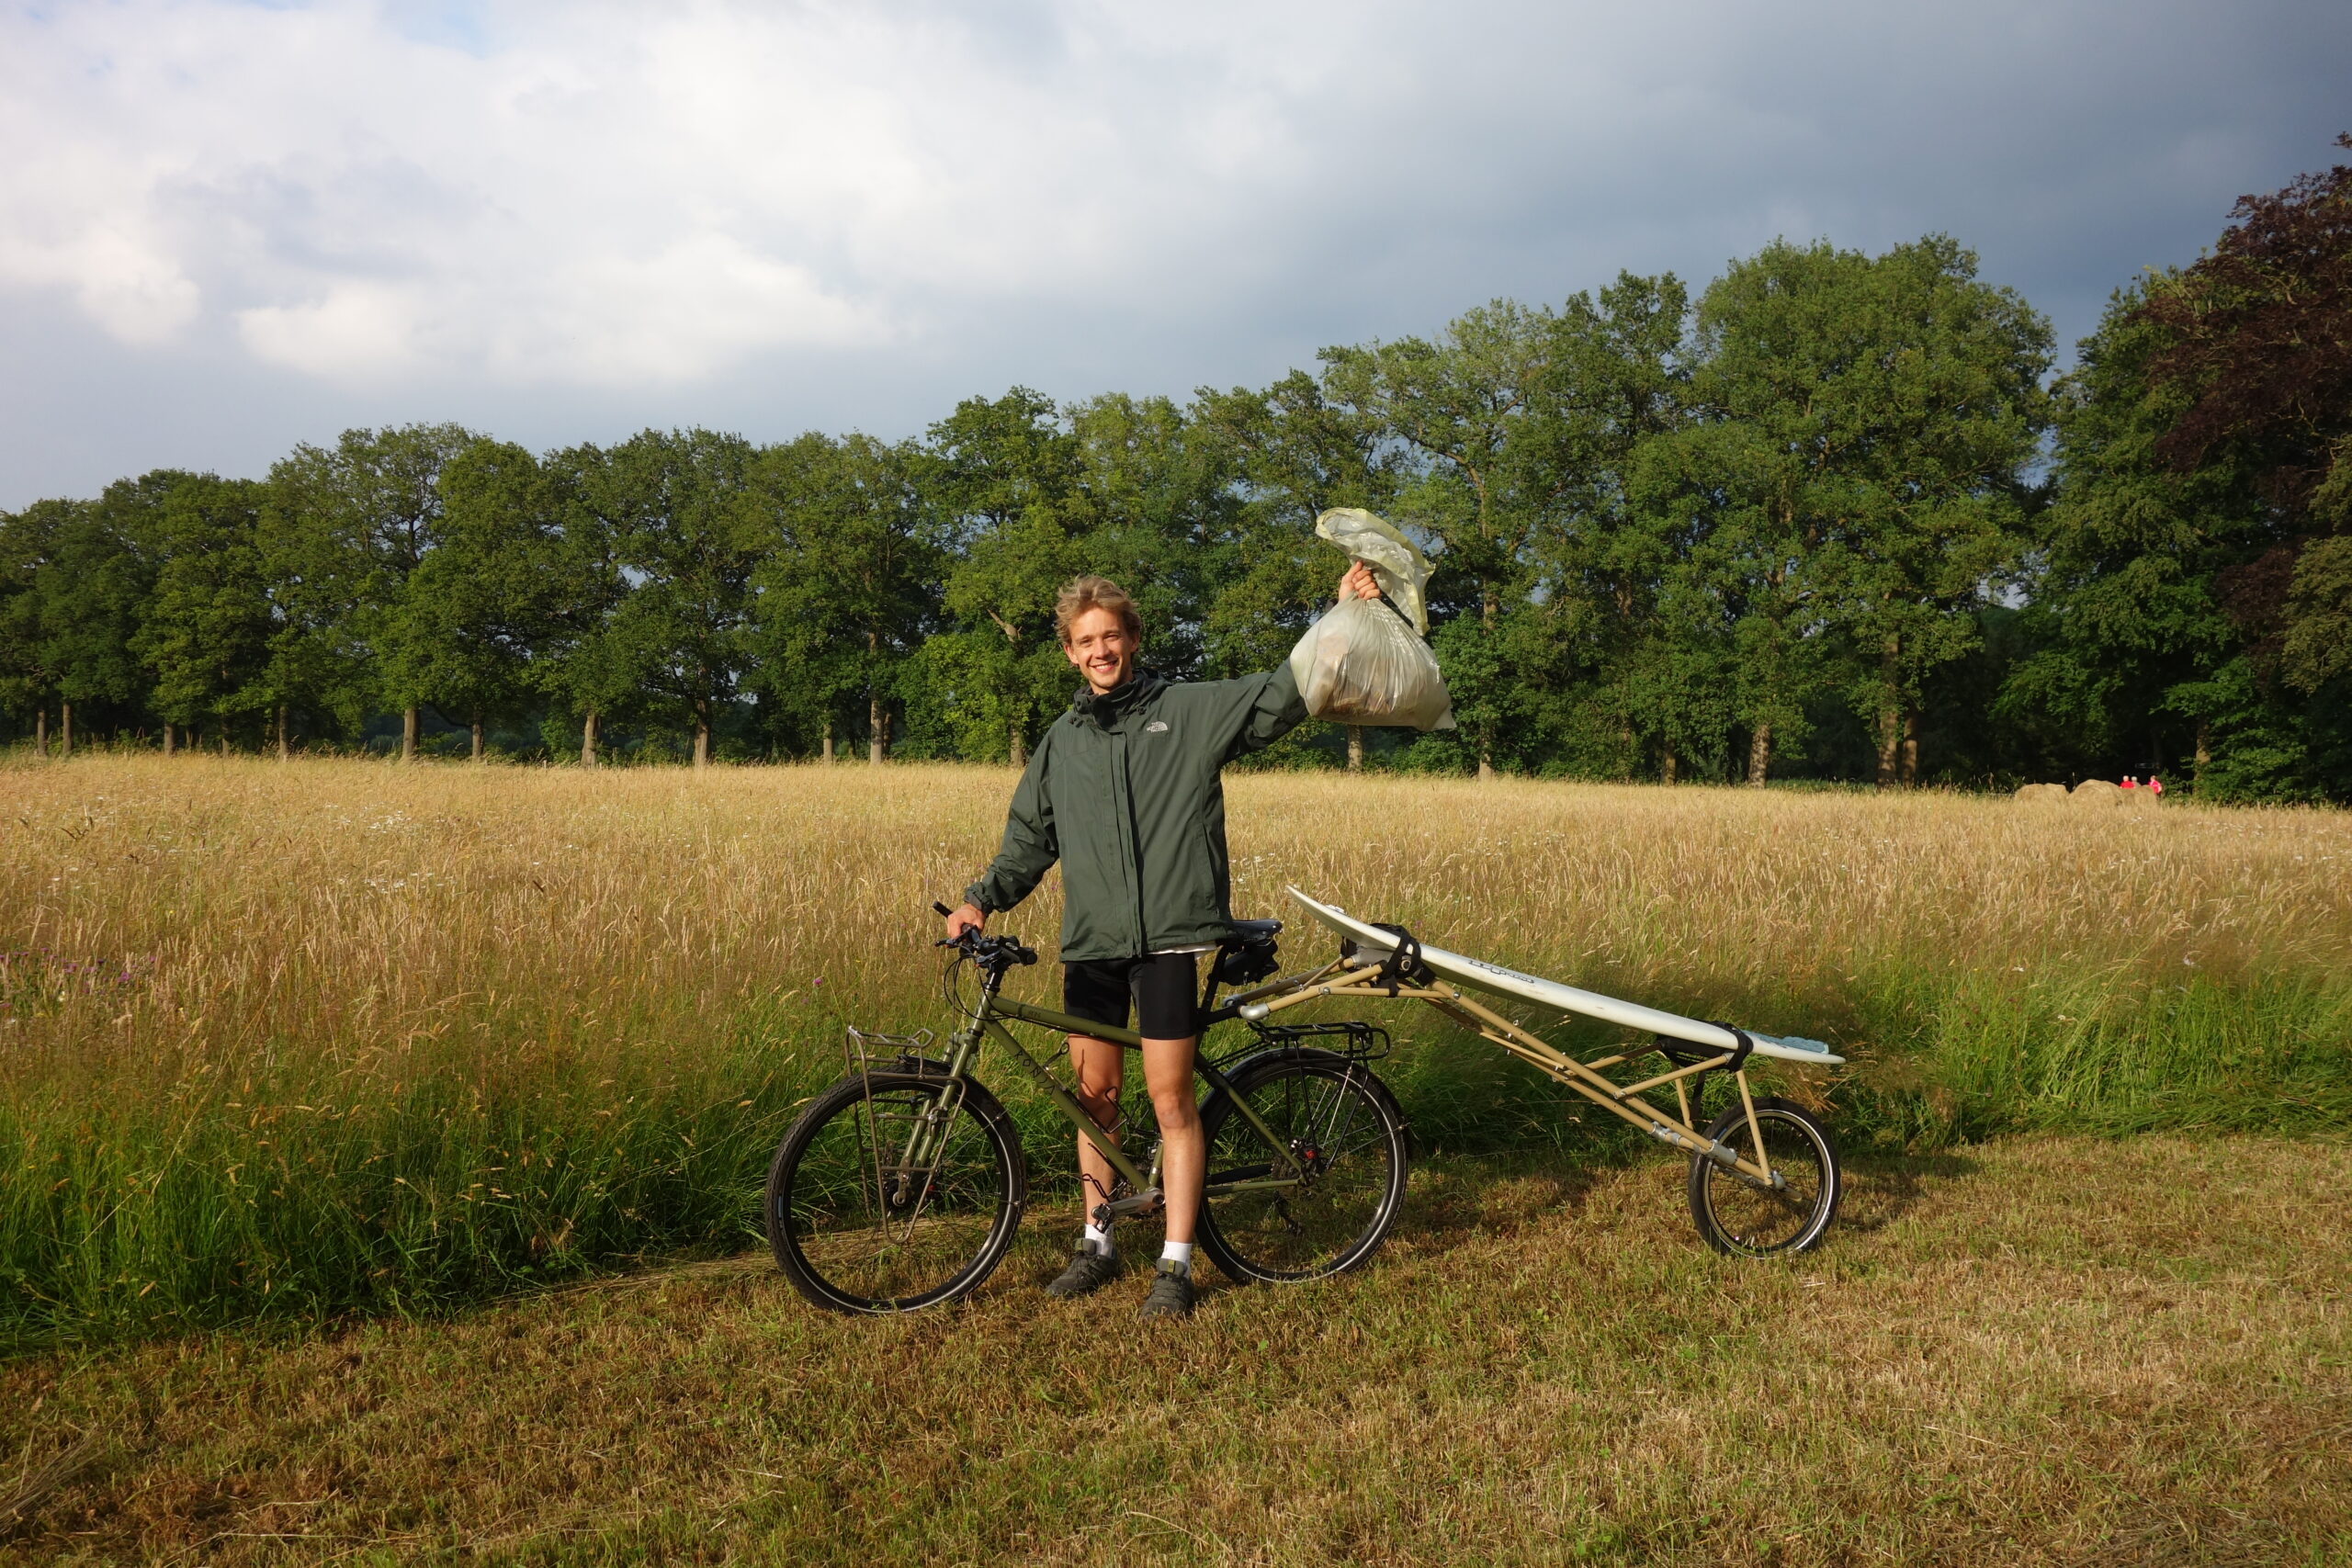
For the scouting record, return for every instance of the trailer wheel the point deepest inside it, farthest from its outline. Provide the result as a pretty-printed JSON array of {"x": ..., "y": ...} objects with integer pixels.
[{"x": 1738, "y": 1215}]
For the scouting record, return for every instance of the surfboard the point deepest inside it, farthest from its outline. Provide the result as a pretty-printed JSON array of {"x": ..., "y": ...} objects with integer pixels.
[{"x": 1476, "y": 972}]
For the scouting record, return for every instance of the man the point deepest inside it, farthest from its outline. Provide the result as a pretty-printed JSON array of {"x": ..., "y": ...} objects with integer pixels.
[{"x": 1125, "y": 791}]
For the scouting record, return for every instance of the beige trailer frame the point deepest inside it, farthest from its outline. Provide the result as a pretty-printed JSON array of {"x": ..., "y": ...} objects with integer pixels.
[{"x": 1351, "y": 978}]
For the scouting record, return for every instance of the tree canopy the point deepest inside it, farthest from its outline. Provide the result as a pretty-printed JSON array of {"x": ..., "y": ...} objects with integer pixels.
[{"x": 1829, "y": 518}]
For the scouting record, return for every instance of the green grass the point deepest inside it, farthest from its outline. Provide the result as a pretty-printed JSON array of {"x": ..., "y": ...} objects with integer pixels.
[
  {"x": 2032, "y": 1353},
  {"x": 294, "y": 1043}
]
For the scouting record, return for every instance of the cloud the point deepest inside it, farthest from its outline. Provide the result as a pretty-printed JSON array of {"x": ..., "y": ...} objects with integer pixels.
[
  {"x": 776, "y": 214},
  {"x": 123, "y": 280}
]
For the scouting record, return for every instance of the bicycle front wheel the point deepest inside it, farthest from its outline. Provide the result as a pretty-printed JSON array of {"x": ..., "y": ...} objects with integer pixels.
[
  {"x": 1322, "y": 1197},
  {"x": 1745, "y": 1220},
  {"x": 895, "y": 1191}
]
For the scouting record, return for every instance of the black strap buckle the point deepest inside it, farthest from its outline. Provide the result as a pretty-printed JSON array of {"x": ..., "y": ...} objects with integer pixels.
[
  {"x": 1403, "y": 966},
  {"x": 1683, "y": 1054}
]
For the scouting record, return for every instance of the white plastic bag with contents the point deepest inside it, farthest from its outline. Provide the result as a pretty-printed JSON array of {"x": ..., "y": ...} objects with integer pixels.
[{"x": 1361, "y": 663}]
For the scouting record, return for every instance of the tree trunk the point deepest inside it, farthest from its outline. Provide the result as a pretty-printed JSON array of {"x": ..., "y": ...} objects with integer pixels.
[
  {"x": 477, "y": 752},
  {"x": 878, "y": 730},
  {"x": 829, "y": 740},
  {"x": 171, "y": 737},
  {"x": 702, "y": 735},
  {"x": 224, "y": 737},
  {"x": 408, "y": 734},
  {"x": 588, "y": 740},
  {"x": 1487, "y": 609},
  {"x": 1019, "y": 751},
  {"x": 1760, "y": 756},
  {"x": 40, "y": 729},
  {"x": 2204, "y": 755},
  {"x": 65, "y": 729},
  {"x": 284, "y": 749},
  {"x": 1889, "y": 717},
  {"x": 1910, "y": 748},
  {"x": 1355, "y": 747},
  {"x": 1665, "y": 764}
]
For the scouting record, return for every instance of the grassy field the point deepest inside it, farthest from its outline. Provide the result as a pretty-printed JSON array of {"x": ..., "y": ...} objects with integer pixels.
[
  {"x": 2041, "y": 1351},
  {"x": 285, "y": 1039},
  {"x": 297, "y": 1060}
]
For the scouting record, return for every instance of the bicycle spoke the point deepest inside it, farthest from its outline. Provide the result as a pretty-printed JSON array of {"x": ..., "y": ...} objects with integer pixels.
[
  {"x": 871, "y": 1225},
  {"x": 1336, "y": 1162}
]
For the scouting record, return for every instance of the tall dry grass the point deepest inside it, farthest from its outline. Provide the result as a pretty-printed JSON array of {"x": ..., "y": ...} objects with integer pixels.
[{"x": 294, "y": 1037}]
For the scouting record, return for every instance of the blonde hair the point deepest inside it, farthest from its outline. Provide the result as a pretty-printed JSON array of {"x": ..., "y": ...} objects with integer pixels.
[{"x": 1080, "y": 594}]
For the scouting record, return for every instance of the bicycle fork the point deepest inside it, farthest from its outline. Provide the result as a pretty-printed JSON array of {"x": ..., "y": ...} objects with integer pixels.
[{"x": 908, "y": 1182}]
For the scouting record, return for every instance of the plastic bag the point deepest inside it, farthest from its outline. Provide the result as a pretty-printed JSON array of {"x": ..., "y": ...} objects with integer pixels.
[{"x": 1359, "y": 663}]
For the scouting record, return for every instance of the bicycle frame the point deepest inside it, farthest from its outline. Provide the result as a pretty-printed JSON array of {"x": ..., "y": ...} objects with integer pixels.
[
  {"x": 964, "y": 1049},
  {"x": 1377, "y": 982}
]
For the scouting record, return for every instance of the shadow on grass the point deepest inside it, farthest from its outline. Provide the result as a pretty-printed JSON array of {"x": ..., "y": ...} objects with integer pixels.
[
  {"x": 1453, "y": 1197},
  {"x": 1882, "y": 1188}
]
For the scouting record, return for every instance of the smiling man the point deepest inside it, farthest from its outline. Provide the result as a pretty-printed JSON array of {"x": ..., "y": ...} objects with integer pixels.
[{"x": 1125, "y": 791}]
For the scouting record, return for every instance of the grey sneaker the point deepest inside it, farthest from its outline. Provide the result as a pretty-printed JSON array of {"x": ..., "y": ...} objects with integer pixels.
[
  {"x": 1172, "y": 1294},
  {"x": 1089, "y": 1270}
]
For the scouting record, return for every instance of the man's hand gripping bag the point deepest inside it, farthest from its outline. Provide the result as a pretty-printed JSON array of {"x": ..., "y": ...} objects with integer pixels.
[{"x": 1359, "y": 663}]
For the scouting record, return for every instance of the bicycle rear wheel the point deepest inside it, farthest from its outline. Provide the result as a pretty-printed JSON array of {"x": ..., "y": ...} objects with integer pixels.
[
  {"x": 1334, "y": 1119},
  {"x": 1740, "y": 1218},
  {"x": 895, "y": 1191}
]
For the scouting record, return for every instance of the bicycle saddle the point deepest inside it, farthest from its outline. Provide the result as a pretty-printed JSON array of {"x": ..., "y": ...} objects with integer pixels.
[{"x": 1249, "y": 934}]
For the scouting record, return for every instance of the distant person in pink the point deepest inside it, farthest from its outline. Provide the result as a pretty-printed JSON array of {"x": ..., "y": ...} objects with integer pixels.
[{"x": 2131, "y": 783}]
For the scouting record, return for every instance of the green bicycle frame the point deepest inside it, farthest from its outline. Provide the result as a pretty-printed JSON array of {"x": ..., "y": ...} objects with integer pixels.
[{"x": 964, "y": 1049}]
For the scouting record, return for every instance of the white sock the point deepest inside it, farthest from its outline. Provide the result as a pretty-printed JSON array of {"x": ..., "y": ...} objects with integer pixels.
[
  {"x": 1098, "y": 1239},
  {"x": 1180, "y": 1253}
]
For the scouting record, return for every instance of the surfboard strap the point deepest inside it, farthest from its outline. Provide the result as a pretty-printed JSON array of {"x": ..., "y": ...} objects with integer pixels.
[{"x": 1403, "y": 966}]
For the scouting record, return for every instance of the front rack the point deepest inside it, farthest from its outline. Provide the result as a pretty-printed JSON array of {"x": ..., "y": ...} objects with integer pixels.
[{"x": 870, "y": 1051}]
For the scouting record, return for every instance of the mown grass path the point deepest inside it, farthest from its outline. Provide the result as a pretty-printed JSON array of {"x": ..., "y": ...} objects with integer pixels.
[{"x": 2036, "y": 1351}]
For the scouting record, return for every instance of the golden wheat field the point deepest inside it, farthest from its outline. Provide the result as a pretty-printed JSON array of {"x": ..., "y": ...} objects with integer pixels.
[
  {"x": 300, "y": 1061},
  {"x": 365, "y": 911}
]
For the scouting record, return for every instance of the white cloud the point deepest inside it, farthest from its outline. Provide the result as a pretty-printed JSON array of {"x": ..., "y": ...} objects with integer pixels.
[
  {"x": 776, "y": 215},
  {"x": 613, "y": 193},
  {"x": 124, "y": 281},
  {"x": 354, "y": 330}
]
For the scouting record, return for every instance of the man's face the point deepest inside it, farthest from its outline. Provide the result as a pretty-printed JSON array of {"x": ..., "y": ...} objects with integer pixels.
[{"x": 1103, "y": 649}]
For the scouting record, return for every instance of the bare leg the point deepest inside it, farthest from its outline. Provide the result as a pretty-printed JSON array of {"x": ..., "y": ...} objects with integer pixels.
[
  {"x": 1183, "y": 1152},
  {"x": 1100, "y": 1071}
]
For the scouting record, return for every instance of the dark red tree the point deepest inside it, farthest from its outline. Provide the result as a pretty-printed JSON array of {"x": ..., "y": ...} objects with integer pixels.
[{"x": 2261, "y": 346}]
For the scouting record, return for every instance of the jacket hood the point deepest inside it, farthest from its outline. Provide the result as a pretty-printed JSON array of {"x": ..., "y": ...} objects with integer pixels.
[{"x": 1105, "y": 707}]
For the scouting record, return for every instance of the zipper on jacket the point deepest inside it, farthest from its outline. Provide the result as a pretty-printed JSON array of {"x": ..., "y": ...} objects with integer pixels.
[{"x": 1123, "y": 795}]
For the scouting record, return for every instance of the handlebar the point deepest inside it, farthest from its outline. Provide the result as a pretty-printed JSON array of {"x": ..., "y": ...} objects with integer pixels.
[{"x": 997, "y": 952}]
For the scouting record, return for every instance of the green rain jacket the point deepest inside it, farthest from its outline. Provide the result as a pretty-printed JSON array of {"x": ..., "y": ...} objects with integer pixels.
[{"x": 1123, "y": 790}]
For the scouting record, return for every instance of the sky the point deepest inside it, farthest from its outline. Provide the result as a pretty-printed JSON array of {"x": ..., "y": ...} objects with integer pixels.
[{"x": 226, "y": 229}]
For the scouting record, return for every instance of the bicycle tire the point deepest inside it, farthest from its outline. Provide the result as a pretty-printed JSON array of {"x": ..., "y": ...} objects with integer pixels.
[
  {"x": 1740, "y": 1220},
  {"x": 853, "y": 1235},
  {"x": 1339, "y": 1117}
]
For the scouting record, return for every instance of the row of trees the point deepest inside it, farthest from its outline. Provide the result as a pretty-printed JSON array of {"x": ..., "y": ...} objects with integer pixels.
[{"x": 1831, "y": 518}]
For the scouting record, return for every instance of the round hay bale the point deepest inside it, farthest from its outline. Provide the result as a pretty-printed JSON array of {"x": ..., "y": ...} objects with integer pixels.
[
  {"x": 2044, "y": 793},
  {"x": 2099, "y": 792}
]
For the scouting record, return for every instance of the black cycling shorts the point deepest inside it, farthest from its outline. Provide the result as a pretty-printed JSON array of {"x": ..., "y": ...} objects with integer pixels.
[{"x": 1165, "y": 988}]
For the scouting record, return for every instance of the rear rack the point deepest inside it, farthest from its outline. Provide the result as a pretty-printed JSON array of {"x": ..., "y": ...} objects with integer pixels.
[{"x": 1363, "y": 1041}]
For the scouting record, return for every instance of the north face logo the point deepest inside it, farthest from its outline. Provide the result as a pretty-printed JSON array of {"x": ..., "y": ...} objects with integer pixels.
[{"x": 1156, "y": 727}]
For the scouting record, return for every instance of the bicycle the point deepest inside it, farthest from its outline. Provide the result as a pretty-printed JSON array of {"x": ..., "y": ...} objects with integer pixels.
[{"x": 902, "y": 1185}]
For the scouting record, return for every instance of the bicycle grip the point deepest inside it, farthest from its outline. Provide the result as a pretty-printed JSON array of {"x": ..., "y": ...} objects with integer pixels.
[{"x": 943, "y": 910}]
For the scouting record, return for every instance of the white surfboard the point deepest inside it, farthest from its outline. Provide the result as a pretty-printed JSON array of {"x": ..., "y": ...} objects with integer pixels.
[{"x": 1494, "y": 978}]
